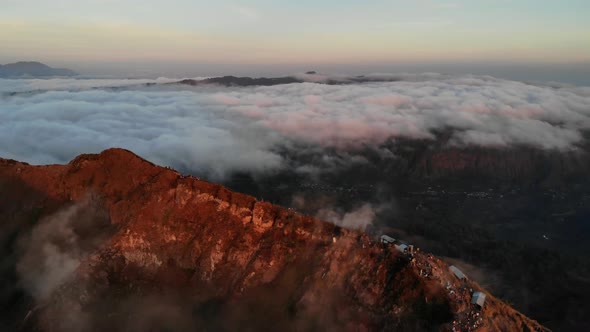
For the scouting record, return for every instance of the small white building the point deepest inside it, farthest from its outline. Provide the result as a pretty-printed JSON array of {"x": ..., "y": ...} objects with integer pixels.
[
  {"x": 401, "y": 247},
  {"x": 458, "y": 273},
  {"x": 405, "y": 248},
  {"x": 386, "y": 239},
  {"x": 478, "y": 298}
]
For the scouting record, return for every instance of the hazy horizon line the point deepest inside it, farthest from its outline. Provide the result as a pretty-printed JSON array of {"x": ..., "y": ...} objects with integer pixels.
[{"x": 577, "y": 73}]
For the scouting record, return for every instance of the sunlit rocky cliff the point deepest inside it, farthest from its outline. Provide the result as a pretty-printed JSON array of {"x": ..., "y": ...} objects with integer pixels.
[{"x": 113, "y": 242}]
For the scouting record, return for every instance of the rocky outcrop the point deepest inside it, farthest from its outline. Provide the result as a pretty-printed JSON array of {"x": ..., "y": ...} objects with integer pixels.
[
  {"x": 270, "y": 81},
  {"x": 186, "y": 254},
  {"x": 242, "y": 81}
]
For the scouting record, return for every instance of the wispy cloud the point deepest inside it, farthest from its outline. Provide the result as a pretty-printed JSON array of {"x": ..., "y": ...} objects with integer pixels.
[
  {"x": 421, "y": 24},
  {"x": 244, "y": 12}
]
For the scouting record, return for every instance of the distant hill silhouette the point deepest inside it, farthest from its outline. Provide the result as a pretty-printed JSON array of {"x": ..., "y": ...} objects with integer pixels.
[{"x": 32, "y": 69}]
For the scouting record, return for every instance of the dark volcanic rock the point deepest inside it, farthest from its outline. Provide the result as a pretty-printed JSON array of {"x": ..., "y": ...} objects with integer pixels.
[
  {"x": 266, "y": 81},
  {"x": 242, "y": 81}
]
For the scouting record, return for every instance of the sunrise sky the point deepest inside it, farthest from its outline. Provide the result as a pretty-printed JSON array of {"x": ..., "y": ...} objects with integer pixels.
[{"x": 260, "y": 32}]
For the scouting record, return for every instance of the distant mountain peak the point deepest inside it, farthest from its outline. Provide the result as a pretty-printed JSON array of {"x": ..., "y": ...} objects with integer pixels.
[
  {"x": 32, "y": 69},
  {"x": 29, "y": 63}
]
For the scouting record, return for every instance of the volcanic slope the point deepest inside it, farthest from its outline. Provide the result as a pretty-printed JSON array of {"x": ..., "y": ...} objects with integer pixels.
[{"x": 156, "y": 250}]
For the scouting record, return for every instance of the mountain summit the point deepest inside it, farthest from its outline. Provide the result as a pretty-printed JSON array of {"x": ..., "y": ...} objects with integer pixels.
[
  {"x": 113, "y": 242},
  {"x": 32, "y": 69}
]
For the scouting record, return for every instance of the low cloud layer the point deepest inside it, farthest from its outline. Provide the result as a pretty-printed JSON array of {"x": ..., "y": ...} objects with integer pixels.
[{"x": 217, "y": 130}]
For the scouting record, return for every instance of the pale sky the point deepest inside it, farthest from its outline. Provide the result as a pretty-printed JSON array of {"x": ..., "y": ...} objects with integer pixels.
[{"x": 296, "y": 32}]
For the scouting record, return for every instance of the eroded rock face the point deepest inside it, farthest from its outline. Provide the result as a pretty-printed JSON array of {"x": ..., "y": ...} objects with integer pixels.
[{"x": 184, "y": 254}]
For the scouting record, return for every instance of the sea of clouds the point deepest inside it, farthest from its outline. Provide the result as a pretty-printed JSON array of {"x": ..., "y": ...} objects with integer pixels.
[{"x": 217, "y": 130}]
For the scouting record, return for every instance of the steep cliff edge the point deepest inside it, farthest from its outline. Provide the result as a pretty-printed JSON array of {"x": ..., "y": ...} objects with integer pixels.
[{"x": 178, "y": 253}]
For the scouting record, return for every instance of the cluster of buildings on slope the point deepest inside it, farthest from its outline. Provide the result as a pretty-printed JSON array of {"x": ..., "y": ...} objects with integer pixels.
[
  {"x": 477, "y": 298},
  {"x": 404, "y": 248}
]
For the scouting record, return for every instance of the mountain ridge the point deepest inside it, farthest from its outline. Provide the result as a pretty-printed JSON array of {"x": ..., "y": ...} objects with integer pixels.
[
  {"x": 33, "y": 69},
  {"x": 225, "y": 251}
]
